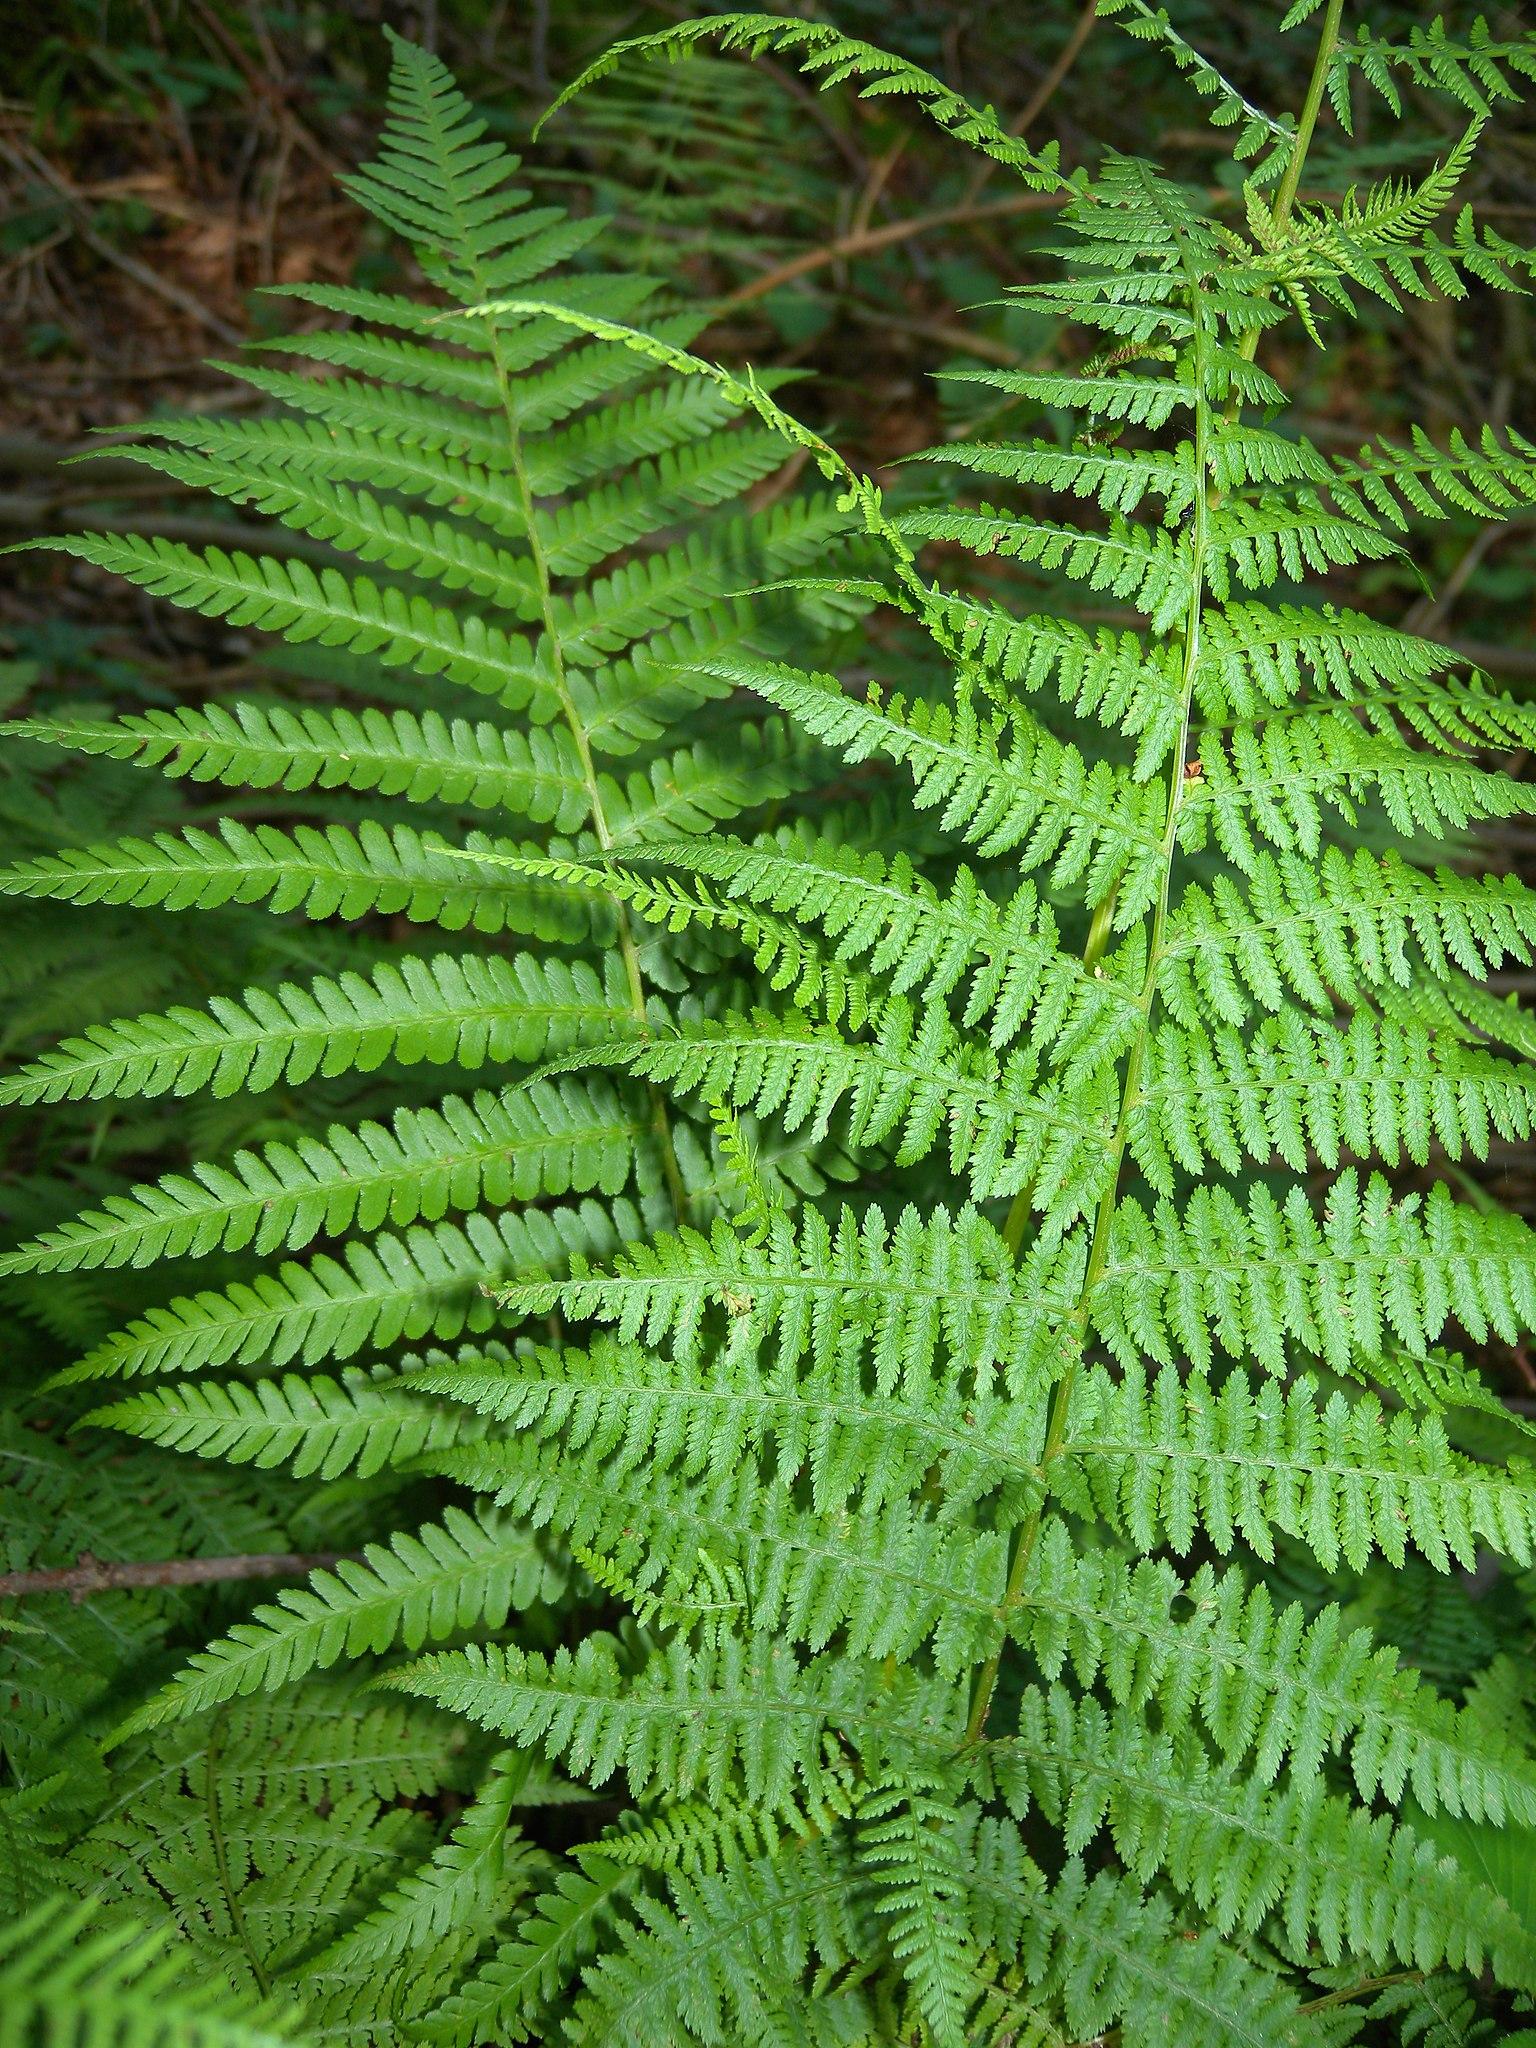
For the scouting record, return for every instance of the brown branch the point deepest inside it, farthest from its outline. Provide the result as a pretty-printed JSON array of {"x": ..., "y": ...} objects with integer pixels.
[
  {"x": 860, "y": 243},
  {"x": 902, "y": 230},
  {"x": 90, "y": 1575},
  {"x": 1044, "y": 93},
  {"x": 29, "y": 163}
]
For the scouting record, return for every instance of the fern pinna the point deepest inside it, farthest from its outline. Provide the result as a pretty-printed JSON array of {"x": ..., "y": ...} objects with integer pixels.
[{"x": 973, "y": 1594}]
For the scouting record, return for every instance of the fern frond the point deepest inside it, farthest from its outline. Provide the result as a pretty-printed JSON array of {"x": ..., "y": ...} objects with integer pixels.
[
  {"x": 468, "y": 1876},
  {"x": 1474, "y": 69},
  {"x": 1168, "y": 1459},
  {"x": 69, "y": 1974},
  {"x": 437, "y": 183},
  {"x": 1144, "y": 565},
  {"x": 1385, "y": 243},
  {"x": 463, "y": 1154},
  {"x": 705, "y": 1835},
  {"x": 1300, "y": 1089},
  {"x": 584, "y": 531},
  {"x": 1115, "y": 479},
  {"x": 429, "y": 467},
  {"x": 1038, "y": 799},
  {"x": 890, "y": 1579},
  {"x": 911, "y": 1077},
  {"x": 702, "y": 785},
  {"x": 721, "y": 1959},
  {"x": 918, "y": 1885},
  {"x": 832, "y": 58},
  {"x": 1118, "y": 678},
  {"x": 1257, "y": 132},
  {"x": 1489, "y": 478},
  {"x": 1255, "y": 656},
  {"x": 882, "y": 1491},
  {"x": 288, "y": 597},
  {"x": 354, "y": 521},
  {"x": 1337, "y": 927},
  {"x": 1269, "y": 1686},
  {"x": 331, "y": 872},
  {"x": 1249, "y": 1281},
  {"x": 432, "y": 1281},
  {"x": 636, "y": 1407},
  {"x": 1331, "y": 1872},
  {"x": 686, "y": 1720},
  {"x": 447, "y": 1576},
  {"x": 652, "y": 592},
  {"x": 1107, "y": 1952},
  {"x": 454, "y": 1009},
  {"x": 1274, "y": 782},
  {"x": 497, "y": 2002},
  {"x": 319, "y": 1427},
  {"x": 1124, "y": 397},
  {"x": 423, "y": 760},
  {"x": 916, "y": 1290},
  {"x": 651, "y": 423},
  {"x": 887, "y": 916}
]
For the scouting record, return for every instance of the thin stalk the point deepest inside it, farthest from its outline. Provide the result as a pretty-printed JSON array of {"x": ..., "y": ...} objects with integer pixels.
[
  {"x": 627, "y": 948},
  {"x": 1311, "y": 107},
  {"x": 1028, "y": 1533},
  {"x": 1098, "y": 1248},
  {"x": 1349, "y": 1992},
  {"x": 1290, "y": 183},
  {"x": 241, "y": 1932},
  {"x": 629, "y": 952}
]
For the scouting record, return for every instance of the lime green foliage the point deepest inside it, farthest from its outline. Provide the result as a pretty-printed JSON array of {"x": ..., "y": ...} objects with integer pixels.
[
  {"x": 62, "y": 1980},
  {"x": 967, "y": 1606}
]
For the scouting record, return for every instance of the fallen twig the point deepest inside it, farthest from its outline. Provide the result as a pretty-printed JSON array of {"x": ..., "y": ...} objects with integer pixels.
[
  {"x": 90, "y": 1575},
  {"x": 860, "y": 243}
]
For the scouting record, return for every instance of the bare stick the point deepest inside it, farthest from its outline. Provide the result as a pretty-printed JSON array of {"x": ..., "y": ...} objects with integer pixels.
[
  {"x": 90, "y": 1575},
  {"x": 892, "y": 231},
  {"x": 28, "y": 162}
]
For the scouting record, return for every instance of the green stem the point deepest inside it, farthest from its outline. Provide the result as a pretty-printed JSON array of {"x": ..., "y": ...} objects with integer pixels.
[
  {"x": 628, "y": 950},
  {"x": 1028, "y": 1534},
  {"x": 1311, "y": 107},
  {"x": 1306, "y": 127},
  {"x": 238, "y": 1928},
  {"x": 1098, "y": 1249},
  {"x": 1349, "y": 1992}
]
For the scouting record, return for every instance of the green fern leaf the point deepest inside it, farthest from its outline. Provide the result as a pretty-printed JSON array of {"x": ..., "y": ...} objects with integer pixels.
[
  {"x": 290, "y": 598},
  {"x": 65, "y": 1979},
  {"x": 463, "y": 1154},
  {"x": 446, "y": 1577},
  {"x": 919, "y": 1886},
  {"x": 1168, "y": 1458},
  {"x": 429, "y": 1282},
  {"x": 458, "y": 1009},
  {"x": 468, "y": 1877},
  {"x": 1329, "y": 1871},
  {"x": 497, "y": 2003},
  {"x": 320, "y": 1426},
  {"x": 686, "y": 1720}
]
